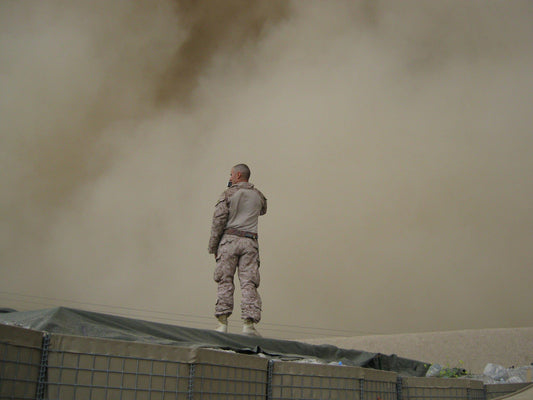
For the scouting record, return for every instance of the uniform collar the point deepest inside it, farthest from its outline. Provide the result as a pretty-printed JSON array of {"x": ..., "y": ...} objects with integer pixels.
[{"x": 244, "y": 185}]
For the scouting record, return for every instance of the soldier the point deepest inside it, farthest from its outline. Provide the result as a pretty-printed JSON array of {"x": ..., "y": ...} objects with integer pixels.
[{"x": 234, "y": 243}]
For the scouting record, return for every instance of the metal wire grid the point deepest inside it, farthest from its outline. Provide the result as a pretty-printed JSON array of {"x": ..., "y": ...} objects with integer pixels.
[
  {"x": 101, "y": 376},
  {"x": 383, "y": 390},
  {"x": 297, "y": 386},
  {"x": 72, "y": 375},
  {"x": 434, "y": 393},
  {"x": 211, "y": 381},
  {"x": 497, "y": 390},
  {"x": 19, "y": 371},
  {"x": 476, "y": 394}
]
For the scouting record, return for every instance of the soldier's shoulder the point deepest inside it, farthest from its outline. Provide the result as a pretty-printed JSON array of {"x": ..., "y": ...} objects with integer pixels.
[
  {"x": 226, "y": 194},
  {"x": 260, "y": 193},
  {"x": 221, "y": 198}
]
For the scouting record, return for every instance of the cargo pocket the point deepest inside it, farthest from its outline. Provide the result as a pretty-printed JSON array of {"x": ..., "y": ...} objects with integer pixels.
[
  {"x": 217, "y": 276},
  {"x": 256, "y": 278}
]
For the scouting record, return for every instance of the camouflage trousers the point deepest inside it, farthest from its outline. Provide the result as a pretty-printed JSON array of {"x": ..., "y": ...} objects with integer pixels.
[{"x": 242, "y": 254}]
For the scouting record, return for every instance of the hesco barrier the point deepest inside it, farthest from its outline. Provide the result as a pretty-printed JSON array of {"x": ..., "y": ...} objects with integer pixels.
[
  {"x": 37, "y": 365},
  {"x": 21, "y": 362},
  {"x": 495, "y": 391},
  {"x": 439, "y": 388},
  {"x": 290, "y": 380}
]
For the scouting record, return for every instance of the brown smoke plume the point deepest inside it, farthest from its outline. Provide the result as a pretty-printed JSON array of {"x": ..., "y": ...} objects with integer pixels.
[{"x": 393, "y": 141}]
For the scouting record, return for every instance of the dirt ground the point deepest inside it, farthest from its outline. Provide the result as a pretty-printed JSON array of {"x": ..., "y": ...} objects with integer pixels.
[{"x": 470, "y": 349}]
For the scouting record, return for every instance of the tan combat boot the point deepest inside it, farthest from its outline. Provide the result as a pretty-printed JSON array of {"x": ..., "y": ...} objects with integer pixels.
[
  {"x": 222, "y": 323},
  {"x": 249, "y": 329}
]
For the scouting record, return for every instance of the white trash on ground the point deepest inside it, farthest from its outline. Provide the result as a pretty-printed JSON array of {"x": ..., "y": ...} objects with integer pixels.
[
  {"x": 494, "y": 373},
  {"x": 434, "y": 370}
]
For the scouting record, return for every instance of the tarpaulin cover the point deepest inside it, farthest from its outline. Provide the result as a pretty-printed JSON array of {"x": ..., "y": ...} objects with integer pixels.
[{"x": 69, "y": 321}]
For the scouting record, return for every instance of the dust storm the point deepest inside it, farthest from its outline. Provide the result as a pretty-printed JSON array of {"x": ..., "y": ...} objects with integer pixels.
[{"x": 392, "y": 140}]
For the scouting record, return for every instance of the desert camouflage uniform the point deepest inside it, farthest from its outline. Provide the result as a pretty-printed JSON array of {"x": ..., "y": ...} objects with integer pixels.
[{"x": 235, "y": 252}]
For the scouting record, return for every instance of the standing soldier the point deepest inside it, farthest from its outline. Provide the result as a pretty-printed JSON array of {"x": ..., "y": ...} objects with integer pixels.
[{"x": 234, "y": 243}]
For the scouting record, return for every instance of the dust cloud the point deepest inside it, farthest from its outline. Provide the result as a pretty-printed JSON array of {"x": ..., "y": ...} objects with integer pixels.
[{"x": 392, "y": 139}]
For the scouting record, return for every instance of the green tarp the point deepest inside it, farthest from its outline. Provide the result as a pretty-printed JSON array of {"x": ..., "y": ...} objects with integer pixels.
[{"x": 69, "y": 321}]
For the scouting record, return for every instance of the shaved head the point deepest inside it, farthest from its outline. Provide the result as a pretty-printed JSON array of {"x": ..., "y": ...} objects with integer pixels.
[{"x": 243, "y": 169}]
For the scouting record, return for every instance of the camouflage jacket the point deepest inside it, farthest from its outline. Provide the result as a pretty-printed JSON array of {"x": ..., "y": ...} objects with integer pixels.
[{"x": 242, "y": 213}]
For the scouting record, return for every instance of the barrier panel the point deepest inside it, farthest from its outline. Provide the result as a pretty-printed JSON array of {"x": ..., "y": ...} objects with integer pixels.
[
  {"x": 381, "y": 385},
  {"x": 20, "y": 352},
  {"x": 36, "y": 365},
  {"x": 89, "y": 368},
  {"x": 216, "y": 373},
  {"x": 292, "y": 380},
  {"x": 497, "y": 390},
  {"x": 442, "y": 389}
]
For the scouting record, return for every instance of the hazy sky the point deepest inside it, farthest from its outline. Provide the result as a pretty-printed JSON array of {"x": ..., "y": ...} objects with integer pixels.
[{"x": 393, "y": 141}]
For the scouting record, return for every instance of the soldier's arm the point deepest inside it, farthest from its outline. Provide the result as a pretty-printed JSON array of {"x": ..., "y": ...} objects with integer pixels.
[
  {"x": 220, "y": 218},
  {"x": 264, "y": 208}
]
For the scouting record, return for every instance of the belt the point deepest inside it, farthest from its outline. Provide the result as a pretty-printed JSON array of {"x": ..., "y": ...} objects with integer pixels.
[{"x": 233, "y": 231}]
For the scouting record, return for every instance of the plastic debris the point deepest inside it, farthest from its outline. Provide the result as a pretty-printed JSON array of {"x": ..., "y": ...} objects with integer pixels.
[
  {"x": 492, "y": 373},
  {"x": 496, "y": 372},
  {"x": 434, "y": 370}
]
